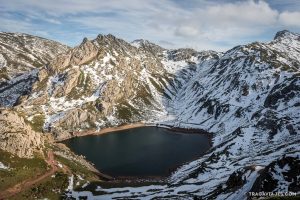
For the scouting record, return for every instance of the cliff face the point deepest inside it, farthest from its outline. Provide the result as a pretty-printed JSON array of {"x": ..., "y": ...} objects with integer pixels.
[
  {"x": 17, "y": 137},
  {"x": 21, "y": 56},
  {"x": 106, "y": 82},
  {"x": 247, "y": 97},
  {"x": 20, "y": 53}
]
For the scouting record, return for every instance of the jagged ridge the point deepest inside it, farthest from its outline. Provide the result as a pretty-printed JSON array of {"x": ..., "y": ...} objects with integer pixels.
[{"x": 248, "y": 97}]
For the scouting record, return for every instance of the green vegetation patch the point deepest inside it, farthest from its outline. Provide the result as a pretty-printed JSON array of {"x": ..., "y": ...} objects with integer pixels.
[
  {"x": 90, "y": 106},
  {"x": 3, "y": 73},
  {"x": 41, "y": 85},
  {"x": 77, "y": 168},
  {"x": 156, "y": 85},
  {"x": 37, "y": 64},
  {"x": 144, "y": 94},
  {"x": 51, "y": 188},
  {"x": 19, "y": 169},
  {"x": 37, "y": 122},
  {"x": 83, "y": 87},
  {"x": 126, "y": 112}
]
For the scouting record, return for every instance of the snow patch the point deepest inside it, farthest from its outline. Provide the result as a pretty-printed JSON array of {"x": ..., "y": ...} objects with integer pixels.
[
  {"x": 2, "y": 166},
  {"x": 2, "y": 61},
  {"x": 71, "y": 182}
]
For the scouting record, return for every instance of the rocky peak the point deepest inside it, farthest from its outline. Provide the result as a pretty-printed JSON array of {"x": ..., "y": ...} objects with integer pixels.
[
  {"x": 188, "y": 54},
  {"x": 79, "y": 55},
  {"x": 139, "y": 42},
  {"x": 286, "y": 42},
  {"x": 248, "y": 97},
  {"x": 147, "y": 46},
  {"x": 142, "y": 43},
  {"x": 111, "y": 36},
  {"x": 84, "y": 40},
  {"x": 99, "y": 47},
  {"x": 286, "y": 34},
  {"x": 107, "y": 38},
  {"x": 110, "y": 42}
]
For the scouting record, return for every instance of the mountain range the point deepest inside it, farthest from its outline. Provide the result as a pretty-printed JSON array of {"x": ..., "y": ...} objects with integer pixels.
[{"x": 247, "y": 98}]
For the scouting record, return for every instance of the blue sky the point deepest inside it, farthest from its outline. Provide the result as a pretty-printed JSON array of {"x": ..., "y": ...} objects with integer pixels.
[{"x": 200, "y": 24}]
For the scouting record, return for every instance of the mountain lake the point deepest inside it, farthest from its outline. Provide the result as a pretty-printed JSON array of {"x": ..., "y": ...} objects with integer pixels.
[{"x": 140, "y": 152}]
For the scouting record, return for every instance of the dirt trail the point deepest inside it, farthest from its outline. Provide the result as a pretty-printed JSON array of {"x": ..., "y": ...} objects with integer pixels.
[
  {"x": 104, "y": 131},
  {"x": 31, "y": 182},
  {"x": 119, "y": 128}
]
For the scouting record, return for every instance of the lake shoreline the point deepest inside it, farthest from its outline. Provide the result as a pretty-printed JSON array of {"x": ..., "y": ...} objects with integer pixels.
[
  {"x": 135, "y": 179},
  {"x": 138, "y": 125},
  {"x": 103, "y": 131}
]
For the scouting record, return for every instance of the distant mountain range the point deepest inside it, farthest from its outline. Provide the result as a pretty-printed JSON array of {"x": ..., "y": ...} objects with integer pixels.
[{"x": 248, "y": 98}]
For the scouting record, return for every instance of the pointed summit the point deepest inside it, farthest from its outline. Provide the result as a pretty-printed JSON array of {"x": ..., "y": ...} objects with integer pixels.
[
  {"x": 147, "y": 46},
  {"x": 286, "y": 34},
  {"x": 139, "y": 42},
  {"x": 143, "y": 43},
  {"x": 84, "y": 40}
]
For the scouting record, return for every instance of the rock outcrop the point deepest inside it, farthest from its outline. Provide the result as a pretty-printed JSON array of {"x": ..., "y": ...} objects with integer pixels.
[
  {"x": 20, "y": 53},
  {"x": 21, "y": 58},
  {"x": 16, "y": 136},
  {"x": 279, "y": 176},
  {"x": 248, "y": 97},
  {"x": 107, "y": 78}
]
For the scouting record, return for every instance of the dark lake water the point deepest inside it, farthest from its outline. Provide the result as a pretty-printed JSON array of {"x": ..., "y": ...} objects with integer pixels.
[{"x": 145, "y": 151}]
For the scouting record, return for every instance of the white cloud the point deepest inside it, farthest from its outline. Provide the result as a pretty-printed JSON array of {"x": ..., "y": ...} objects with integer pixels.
[
  {"x": 186, "y": 31},
  {"x": 201, "y": 24},
  {"x": 223, "y": 21},
  {"x": 290, "y": 19},
  {"x": 63, "y": 7},
  {"x": 15, "y": 25}
]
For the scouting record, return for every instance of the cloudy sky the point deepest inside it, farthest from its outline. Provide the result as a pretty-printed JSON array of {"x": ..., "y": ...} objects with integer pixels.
[{"x": 199, "y": 24}]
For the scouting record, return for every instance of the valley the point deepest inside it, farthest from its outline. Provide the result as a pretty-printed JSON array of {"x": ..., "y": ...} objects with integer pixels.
[{"x": 247, "y": 99}]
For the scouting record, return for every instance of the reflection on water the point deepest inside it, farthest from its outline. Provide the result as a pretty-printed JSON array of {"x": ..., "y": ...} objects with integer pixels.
[{"x": 145, "y": 151}]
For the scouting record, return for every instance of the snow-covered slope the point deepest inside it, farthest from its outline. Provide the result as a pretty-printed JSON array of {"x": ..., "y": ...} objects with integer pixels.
[
  {"x": 20, "y": 53},
  {"x": 20, "y": 56},
  {"x": 247, "y": 97},
  {"x": 107, "y": 82}
]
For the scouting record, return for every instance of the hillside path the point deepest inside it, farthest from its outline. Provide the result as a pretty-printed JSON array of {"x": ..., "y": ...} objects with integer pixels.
[{"x": 32, "y": 181}]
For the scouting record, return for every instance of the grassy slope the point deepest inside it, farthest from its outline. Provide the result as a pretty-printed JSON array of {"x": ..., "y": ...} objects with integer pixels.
[
  {"x": 20, "y": 169},
  {"x": 51, "y": 188}
]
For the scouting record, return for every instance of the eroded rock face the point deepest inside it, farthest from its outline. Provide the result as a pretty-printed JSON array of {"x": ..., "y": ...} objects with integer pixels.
[
  {"x": 81, "y": 54},
  {"x": 248, "y": 96},
  {"x": 67, "y": 126},
  {"x": 16, "y": 136},
  {"x": 23, "y": 61},
  {"x": 102, "y": 82},
  {"x": 75, "y": 118},
  {"x": 70, "y": 81},
  {"x": 20, "y": 53},
  {"x": 279, "y": 176}
]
